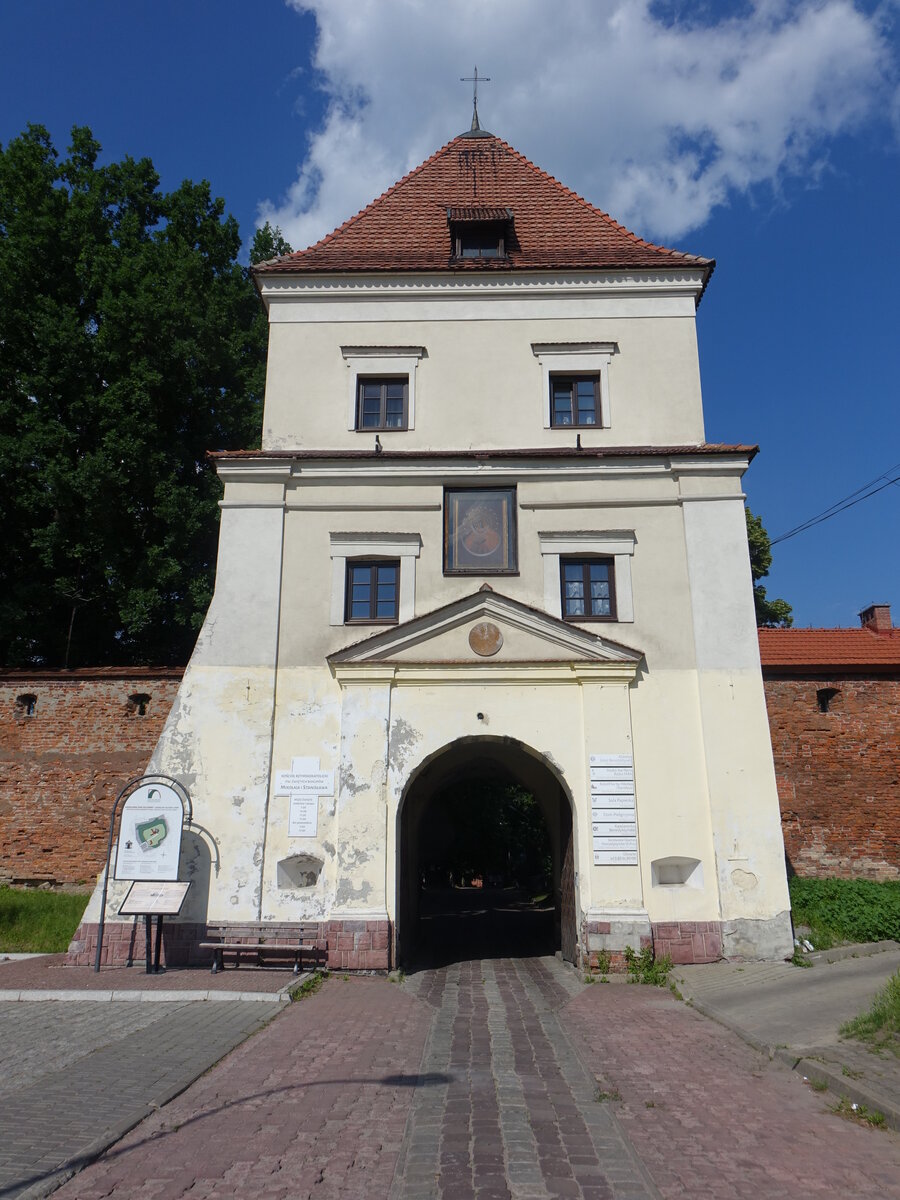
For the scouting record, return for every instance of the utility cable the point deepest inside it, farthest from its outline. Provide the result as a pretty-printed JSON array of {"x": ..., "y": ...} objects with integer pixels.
[{"x": 862, "y": 493}]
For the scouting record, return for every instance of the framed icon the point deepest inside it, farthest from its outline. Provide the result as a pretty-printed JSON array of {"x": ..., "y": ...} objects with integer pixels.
[{"x": 480, "y": 531}]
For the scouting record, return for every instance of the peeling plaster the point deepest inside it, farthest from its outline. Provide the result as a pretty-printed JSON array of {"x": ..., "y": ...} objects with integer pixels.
[
  {"x": 329, "y": 849},
  {"x": 347, "y": 893},
  {"x": 402, "y": 743},
  {"x": 349, "y": 784},
  {"x": 354, "y": 858},
  {"x": 557, "y": 766}
]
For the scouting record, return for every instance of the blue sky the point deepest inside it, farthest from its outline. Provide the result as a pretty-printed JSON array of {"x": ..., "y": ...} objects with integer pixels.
[{"x": 765, "y": 135}]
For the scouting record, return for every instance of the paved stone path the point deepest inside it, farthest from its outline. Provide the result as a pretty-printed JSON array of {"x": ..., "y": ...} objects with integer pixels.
[
  {"x": 314, "y": 1105},
  {"x": 489, "y": 1079},
  {"x": 74, "y": 1074},
  {"x": 711, "y": 1117},
  {"x": 513, "y": 1110}
]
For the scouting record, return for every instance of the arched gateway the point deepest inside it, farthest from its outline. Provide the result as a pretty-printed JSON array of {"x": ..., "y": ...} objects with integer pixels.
[{"x": 486, "y": 855}]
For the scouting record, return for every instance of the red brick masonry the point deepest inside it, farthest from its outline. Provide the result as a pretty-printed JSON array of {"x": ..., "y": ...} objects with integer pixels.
[
  {"x": 62, "y": 766},
  {"x": 340, "y": 945}
]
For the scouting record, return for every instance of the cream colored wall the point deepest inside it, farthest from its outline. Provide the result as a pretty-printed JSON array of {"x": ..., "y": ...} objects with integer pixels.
[
  {"x": 480, "y": 385},
  {"x": 376, "y": 735},
  {"x": 648, "y": 505}
]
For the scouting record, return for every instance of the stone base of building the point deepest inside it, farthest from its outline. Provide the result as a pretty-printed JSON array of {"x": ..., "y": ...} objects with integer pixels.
[
  {"x": 683, "y": 941},
  {"x": 356, "y": 945},
  {"x": 124, "y": 943}
]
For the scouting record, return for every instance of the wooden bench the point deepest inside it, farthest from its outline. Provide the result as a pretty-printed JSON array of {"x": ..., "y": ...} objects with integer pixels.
[{"x": 263, "y": 938}]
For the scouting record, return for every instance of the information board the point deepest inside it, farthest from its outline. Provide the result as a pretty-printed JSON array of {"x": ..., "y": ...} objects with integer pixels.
[
  {"x": 303, "y": 784},
  {"x": 144, "y": 899},
  {"x": 613, "y": 810},
  {"x": 149, "y": 845}
]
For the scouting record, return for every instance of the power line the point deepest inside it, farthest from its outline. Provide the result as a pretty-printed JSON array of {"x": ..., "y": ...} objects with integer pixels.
[{"x": 862, "y": 493}]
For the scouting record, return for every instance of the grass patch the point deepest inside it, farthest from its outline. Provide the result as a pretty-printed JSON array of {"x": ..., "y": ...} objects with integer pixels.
[
  {"x": 39, "y": 922},
  {"x": 880, "y": 1026},
  {"x": 645, "y": 967},
  {"x": 309, "y": 986},
  {"x": 846, "y": 910},
  {"x": 858, "y": 1112}
]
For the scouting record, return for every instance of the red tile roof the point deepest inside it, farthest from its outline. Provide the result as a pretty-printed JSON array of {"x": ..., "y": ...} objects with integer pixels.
[
  {"x": 406, "y": 228},
  {"x": 849, "y": 648}
]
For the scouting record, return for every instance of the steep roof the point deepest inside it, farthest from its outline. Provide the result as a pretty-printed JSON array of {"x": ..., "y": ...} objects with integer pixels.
[
  {"x": 848, "y": 648},
  {"x": 408, "y": 227}
]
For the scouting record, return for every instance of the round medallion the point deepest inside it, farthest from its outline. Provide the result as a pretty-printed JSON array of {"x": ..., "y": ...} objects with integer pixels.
[{"x": 485, "y": 638}]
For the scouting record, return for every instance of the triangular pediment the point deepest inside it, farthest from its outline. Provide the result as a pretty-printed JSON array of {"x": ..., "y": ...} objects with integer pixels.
[{"x": 485, "y": 628}]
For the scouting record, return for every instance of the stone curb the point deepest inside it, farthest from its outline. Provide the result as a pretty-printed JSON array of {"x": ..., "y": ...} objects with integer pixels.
[
  {"x": 857, "y": 950},
  {"x": 136, "y": 996},
  {"x": 841, "y": 1086},
  {"x": 838, "y": 1084}
]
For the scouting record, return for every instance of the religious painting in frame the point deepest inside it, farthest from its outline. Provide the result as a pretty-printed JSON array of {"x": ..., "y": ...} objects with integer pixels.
[{"x": 480, "y": 531}]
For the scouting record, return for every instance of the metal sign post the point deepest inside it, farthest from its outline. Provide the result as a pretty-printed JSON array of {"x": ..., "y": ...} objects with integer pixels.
[{"x": 149, "y": 846}]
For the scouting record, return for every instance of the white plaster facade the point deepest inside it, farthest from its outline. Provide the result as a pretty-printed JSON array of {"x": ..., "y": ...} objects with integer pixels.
[{"x": 674, "y": 681}]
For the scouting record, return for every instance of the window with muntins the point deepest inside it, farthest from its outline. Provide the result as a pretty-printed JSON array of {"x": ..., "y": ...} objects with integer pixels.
[
  {"x": 574, "y": 400},
  {"x": 372, "y": 592},
  {"x": 588, "y": 589},
  {"x": 382, "y": 403}
]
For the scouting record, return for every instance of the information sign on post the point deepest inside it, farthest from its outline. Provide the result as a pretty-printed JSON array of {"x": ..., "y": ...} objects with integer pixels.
[{"x": 149, "y": 845}]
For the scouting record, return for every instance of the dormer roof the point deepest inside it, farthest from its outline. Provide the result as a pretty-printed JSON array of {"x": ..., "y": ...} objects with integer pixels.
[{"x": 408, "y": 228}]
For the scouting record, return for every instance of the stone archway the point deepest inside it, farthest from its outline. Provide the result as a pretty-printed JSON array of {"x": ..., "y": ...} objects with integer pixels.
[{"x": 463, "y": 893}]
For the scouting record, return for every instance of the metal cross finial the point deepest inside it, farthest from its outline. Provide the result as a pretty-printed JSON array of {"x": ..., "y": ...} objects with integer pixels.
[{"x": 473, "y": 79}]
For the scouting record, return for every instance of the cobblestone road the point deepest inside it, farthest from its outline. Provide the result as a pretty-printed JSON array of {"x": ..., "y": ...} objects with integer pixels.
[
  {"x": 493, "y": 1079},
  {"x": 72, "y": 1072}
]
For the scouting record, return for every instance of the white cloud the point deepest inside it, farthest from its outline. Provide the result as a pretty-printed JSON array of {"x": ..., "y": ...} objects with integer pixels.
[{"x": 656, "y": 120}]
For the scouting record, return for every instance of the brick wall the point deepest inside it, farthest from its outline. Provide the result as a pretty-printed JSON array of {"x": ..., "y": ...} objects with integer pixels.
[
  {"x": 62, "y": 766},
  {"x": 838, "y": 773}
]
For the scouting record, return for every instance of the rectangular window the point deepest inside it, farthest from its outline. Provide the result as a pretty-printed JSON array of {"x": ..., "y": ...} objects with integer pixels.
[
  {"x": 372, "y": 593},
  {"x": 588, "y": 589},
  {"x": 382, "y": 403},
  {"x": 574, "y": 400},
  {"x": 480, "y": 531}
]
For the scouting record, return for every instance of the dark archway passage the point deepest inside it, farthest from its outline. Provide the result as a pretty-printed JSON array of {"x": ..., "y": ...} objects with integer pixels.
[{"x": 485, "y": 839}]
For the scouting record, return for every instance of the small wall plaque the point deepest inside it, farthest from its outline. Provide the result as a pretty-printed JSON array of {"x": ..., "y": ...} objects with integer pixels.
[{"x": 485, "y": 639}]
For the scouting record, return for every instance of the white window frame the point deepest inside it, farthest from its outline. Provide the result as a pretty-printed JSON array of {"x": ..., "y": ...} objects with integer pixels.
[
  {"x": 576, "y": 358},
  {"x": 405, "y": 547},
  {"x": 617, "y": 544},
  {"x": 379, "y": 361}
]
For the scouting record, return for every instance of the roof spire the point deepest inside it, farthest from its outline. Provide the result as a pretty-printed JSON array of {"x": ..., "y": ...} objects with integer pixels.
[{"x": 475, "y": 127}]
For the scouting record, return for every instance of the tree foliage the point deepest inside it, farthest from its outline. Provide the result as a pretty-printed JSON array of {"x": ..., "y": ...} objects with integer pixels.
[
  {"x": 768, "y": 612},
  {"x": 131, "y": 342}
]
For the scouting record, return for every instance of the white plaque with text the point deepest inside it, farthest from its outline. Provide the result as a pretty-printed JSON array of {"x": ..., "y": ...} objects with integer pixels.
[
  {"x": 622, "y": 787},
  {"x": 614, "y": 828},
  {"x": 303, "y": 817},
  {"x": 612, "y": 802},
  {"x": 303, "y": 784},
  {"x": 613, "y": 810},
  {"x": 615, "y": 843},
  {"x": 615, "y": 858}
]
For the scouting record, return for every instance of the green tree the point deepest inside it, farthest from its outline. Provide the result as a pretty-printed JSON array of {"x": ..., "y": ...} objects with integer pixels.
[
  {"x": 131, "y": 342},
  {"x": 268, "y": 243},
  {"x": 768, "y": 612}
]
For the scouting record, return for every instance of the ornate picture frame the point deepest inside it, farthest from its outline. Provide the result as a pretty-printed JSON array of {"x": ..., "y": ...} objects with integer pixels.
[{"x": 480, "y": 531}]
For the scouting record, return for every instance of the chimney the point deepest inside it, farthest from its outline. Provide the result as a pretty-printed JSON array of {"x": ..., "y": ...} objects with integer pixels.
[{"x": 876, "y": 617}]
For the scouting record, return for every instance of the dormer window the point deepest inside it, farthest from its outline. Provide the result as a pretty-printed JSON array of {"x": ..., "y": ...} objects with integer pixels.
[{"x": 479, "y": 233}]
